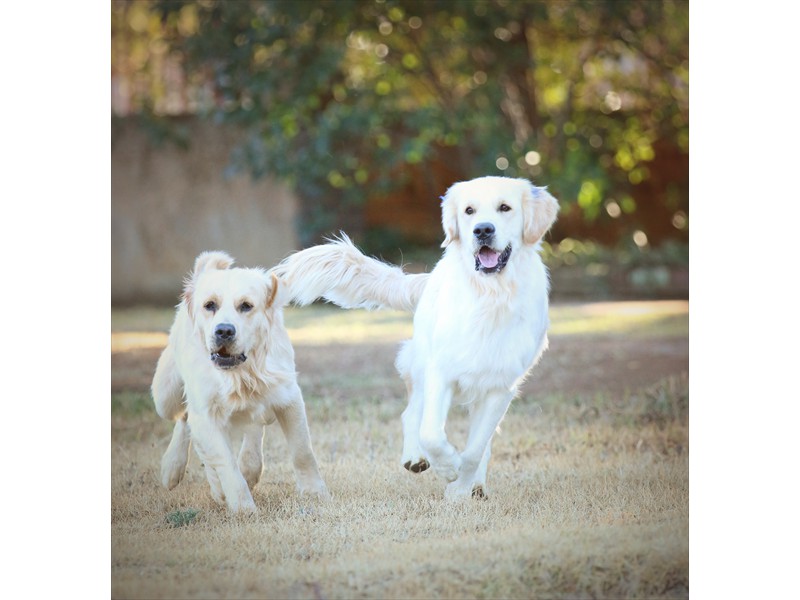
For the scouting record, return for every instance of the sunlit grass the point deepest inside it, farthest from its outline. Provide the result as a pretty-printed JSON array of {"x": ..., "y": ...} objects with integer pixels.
[
  {"x": 325, "y": 324},
  {"x": 122, "y": 341},
  {"x": 668, "y": 318},
  {"x": 142, "y": 318}
]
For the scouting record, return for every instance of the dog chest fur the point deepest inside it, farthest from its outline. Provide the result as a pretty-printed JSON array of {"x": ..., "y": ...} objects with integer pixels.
[{"x": 506, "y": 333}]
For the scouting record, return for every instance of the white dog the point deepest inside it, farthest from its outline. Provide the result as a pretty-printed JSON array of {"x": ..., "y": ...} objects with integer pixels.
[
  {"x": 228, "y": 370},
  {"x": 480, "y": 321}
]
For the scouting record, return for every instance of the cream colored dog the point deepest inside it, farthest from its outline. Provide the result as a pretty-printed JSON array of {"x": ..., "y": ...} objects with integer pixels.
[
  {"x": 480, "y": 321},
  {"x": 227, "y": 371}
]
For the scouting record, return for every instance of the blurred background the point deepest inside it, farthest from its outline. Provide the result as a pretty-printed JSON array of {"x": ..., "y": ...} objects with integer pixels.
[{"x": 258, "y": 127}]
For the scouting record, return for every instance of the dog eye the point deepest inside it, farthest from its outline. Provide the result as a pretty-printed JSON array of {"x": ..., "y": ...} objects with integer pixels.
[
  {"x": 210, "y": 306},
  {"x": 469, "y": 210},
  {"x": 245, "y": 307},
  {"x": 505, "y": 208}
]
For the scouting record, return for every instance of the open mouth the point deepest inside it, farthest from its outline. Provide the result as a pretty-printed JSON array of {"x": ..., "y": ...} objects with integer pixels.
[
  {"x": 223, "y": 360},
  {"x": 489, "y": 260}
]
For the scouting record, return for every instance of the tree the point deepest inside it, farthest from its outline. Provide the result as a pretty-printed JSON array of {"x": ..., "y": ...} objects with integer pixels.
[{"x": 349, "y": 98}]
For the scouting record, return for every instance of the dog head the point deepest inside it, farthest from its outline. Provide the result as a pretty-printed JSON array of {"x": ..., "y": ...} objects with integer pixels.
[
  {"x": 230, "y": 307},
  {"x": 491, "y": 216}
]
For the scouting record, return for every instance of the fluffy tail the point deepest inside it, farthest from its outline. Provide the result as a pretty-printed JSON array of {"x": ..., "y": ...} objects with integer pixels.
[{"x": 340, "y": 273}]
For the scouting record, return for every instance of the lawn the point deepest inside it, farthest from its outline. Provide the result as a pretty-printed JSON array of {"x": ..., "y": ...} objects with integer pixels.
[{"x": 588, "y": 483}]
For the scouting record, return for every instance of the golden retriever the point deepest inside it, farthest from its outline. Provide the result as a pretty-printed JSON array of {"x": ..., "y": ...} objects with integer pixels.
[
  {"x": 227, "y": 371},
  {"x": 480, "y": 317}
]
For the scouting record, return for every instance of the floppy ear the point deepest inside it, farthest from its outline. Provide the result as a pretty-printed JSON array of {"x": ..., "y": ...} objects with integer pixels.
[
  {"x": 205, "y": 261},
  {"x": 539, "y": 210},
  {"x": 449, "y": 218},
  {"x": 213, "y": 259},
  {"x": 272, "y": 290},
  {"x": 277, "y": 292}
]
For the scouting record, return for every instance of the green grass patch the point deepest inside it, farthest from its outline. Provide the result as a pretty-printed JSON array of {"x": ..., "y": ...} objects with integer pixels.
[
  {"x": 131, "y": 404},
  {"x": 181, "y": 518}
]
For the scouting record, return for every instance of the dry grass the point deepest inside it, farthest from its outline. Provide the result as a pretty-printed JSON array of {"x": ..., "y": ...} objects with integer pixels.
[{"x": 588, "y": 491}]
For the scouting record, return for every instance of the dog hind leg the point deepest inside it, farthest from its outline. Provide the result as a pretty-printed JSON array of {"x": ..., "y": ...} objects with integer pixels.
[
  {"x": 292, "y": 419},
  {"x": 175, "y": 459},
  {"x": 251, "y": 461},
  {"x": 167, "y": 387},
  {"x": 485, "y": 416},
  {"x": 214, "y": 484},
  {"x": 479, "y": 489},
  {"x": 167, "y": 391},
  {"x": 445, "y": 460}
]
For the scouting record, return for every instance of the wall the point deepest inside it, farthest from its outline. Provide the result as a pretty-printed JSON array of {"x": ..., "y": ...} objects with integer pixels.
[{"x": 168, "y": 204}]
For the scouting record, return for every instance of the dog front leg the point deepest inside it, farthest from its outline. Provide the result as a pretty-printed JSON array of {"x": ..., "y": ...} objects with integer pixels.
[
  {"x": 413, "y": 458},
  {"x": 485, "y": 416},
  {"x": 214, "y": 450},
  {"x": 444, "y": 458},
  {"x": 291, "y": 416}
]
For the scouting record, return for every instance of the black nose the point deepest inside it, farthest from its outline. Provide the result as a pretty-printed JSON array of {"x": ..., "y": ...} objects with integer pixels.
[
  {"x": 224, "y": 332},
  {"x": 483, "y": 231}
]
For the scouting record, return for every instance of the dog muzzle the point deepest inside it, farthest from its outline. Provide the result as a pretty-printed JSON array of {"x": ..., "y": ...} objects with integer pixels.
[{"x": 227, "y": 361}]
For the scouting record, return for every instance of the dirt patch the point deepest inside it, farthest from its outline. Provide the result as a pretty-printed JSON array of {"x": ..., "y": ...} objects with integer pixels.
[
  {"x": 578, "y": 365},
  {"x": 132, "y": 370}
]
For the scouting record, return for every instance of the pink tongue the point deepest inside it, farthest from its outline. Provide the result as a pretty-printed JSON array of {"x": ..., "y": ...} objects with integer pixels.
[{"x": 488, "y": 257}]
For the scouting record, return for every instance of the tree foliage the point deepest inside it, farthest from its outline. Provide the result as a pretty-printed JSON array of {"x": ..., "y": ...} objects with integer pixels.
[{"x": 344, "y": 99}]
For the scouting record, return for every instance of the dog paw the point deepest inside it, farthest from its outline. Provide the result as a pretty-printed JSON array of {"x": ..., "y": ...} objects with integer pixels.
[
  {"x": 447, "y": 472},
  {"x": 244, "y": 507},
  {"x": 314, "y": 489},
  {"x": 479, "y": 492},
  {"x": 457, "y": 492},
  {"x": 447, "y": 467},
  {"x": 216, "y": 489},
  {"x": 251, "y": 468},
  {"x": 443, "y": 457},
  {"x": 417, "y": 466},
  {"x": 172, "y": 474},
  {"x": 217, "y": 495},
  {"x": 240, "y": 500},
  {"x": 464, "y": 490},
  {"x": 176, "y": 457}
]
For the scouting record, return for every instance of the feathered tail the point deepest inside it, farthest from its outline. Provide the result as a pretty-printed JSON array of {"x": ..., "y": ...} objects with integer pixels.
[{"x": 340, "y": 273}]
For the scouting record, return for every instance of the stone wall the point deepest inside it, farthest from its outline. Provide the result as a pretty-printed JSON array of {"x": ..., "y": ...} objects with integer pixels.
[{"x": 168, "y": 204}]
